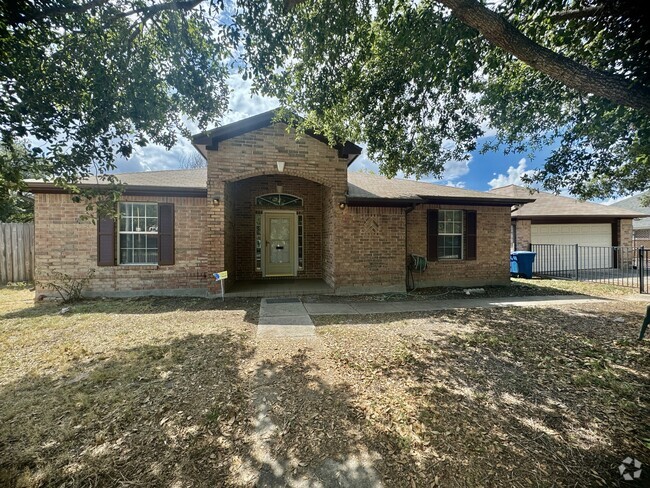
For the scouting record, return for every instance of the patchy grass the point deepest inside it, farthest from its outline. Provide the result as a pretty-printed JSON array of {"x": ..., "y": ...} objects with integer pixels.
[
  {"x": 144, "y": 392},
  {"x": 518, "y": 287},
  {"x": 508, "y": 397},
  {"x": 158, "y": 392},
  {"x": 542, "y": 286}
]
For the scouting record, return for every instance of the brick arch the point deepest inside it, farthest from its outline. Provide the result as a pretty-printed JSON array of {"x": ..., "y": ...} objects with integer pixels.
[{"x": 287, "y": 172}]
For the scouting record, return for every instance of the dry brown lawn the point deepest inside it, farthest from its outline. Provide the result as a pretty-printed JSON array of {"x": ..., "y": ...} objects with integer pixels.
[
  {"x": 122, "y": 392},
  {"x": 499, "y": 397},
  {"x": 157, "y": 392}
]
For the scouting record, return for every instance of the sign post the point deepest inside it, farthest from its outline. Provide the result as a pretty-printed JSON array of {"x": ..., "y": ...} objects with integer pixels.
[{"x": 220, "y": 277}]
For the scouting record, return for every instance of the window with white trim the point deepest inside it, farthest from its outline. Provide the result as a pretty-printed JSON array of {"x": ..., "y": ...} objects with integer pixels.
[
  {"x": 138, "y": 233},
  {"x": 450, "y": 234}
]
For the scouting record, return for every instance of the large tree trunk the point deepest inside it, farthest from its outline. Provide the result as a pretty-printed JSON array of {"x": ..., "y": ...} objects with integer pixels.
[{"x": 496, "y": 29}]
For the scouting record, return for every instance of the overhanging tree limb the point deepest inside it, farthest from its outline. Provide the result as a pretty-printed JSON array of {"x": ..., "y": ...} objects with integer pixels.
[
  {"x": 578, "y": 13},
  {"x": 54, "y": 11},
  {"x": 496, "y": 29}
]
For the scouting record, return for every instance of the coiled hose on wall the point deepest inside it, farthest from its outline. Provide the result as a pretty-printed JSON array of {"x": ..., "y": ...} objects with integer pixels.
[{"x": 416, "y": 263}]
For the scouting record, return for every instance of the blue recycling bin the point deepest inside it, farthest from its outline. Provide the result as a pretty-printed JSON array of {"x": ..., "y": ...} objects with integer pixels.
[{"x": 521, "y": 263}]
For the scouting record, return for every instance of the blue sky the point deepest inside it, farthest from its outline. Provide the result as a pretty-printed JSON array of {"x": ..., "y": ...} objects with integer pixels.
[{"x": 481, "y": 172}]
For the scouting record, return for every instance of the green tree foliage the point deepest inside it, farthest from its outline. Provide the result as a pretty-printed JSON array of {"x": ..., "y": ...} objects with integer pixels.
[
  {"x": 86, "y": 81},
  {"x": 15, "y": 205},
  {"x": 419, "y": 85},
  {"x": 418, "y": 82}
]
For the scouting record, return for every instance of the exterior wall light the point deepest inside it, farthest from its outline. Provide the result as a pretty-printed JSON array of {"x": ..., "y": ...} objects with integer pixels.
[
  {"x": 280, "y": 165},
  {"x": 216, "y": 199},
  {"x": 342, "y": 205}
]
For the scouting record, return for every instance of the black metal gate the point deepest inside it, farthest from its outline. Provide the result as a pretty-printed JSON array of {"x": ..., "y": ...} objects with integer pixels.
[{"x": 621, "y": 266}]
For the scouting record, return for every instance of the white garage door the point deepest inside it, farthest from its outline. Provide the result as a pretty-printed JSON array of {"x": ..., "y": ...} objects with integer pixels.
[{"x": 597, "y": 239}]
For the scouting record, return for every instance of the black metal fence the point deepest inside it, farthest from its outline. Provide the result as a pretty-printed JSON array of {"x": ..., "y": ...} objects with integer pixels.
[{"x": 621, "y": 266}]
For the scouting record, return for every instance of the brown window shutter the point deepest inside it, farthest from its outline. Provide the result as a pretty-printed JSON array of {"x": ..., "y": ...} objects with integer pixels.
[
  {"x": 470, "y": 234},
  {"x": 165, "y": 233},
  {"x": 106, "y": 241},
  {"x": 432, "y": 235}
]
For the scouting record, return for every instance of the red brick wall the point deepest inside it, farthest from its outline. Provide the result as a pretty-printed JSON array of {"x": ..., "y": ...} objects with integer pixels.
[
  {"x": 243, "y": 194},
  {"x": 492, "y": 264},
  {"x": 255, "y": 154},
  {"x": 523, "y": 235},
  {"x": 66, "y": 244},
  {"x": 370, "y": 250}
]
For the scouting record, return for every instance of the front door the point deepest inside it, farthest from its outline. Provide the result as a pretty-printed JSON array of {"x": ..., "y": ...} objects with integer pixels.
[{"x": 279, "y": 239}]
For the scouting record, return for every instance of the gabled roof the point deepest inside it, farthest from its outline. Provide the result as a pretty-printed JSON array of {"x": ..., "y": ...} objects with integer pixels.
[
  {"x": 368, "y": 188},
  {"x": 634, "y": 204},
  {"x": 550, "y": 205},
  {"x": 363, "y": 188},
  {"x": 211, "y": 138}
]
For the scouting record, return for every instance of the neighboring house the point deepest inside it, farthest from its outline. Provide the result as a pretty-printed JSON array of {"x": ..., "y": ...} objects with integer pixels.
[
  {"x": 641, "y": 226},
  {"x": 554, "y": 219},
  {"x": 267, "y": 207}
]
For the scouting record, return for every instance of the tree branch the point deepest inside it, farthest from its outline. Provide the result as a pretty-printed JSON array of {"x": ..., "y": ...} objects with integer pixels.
[
  {"x": 579, "y": 13},
  {"x": 79, "y": 9},
  {"x": 56, "y": 11},
  {"x": 152, "y": 10},
  {"x": 496, "y": 29}
]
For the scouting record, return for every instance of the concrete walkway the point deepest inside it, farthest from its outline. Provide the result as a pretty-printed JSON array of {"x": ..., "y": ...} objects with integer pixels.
[
  {"x": 284, "y": 317},
  {"x": 363, "y": 308}
]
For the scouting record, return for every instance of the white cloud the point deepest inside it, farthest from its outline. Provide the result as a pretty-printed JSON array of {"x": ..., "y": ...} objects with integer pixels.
[
  {"x": 513, "y": 177},
  {"x": 457, "y": 184},
  {"x": 456, "y": 169}
]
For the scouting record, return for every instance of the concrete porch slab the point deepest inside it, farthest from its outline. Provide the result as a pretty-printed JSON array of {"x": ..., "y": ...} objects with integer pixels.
[{"x": 289, "y": 287}]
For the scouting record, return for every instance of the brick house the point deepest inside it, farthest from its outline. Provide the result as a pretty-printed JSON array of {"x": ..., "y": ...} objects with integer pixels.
[
  {"x": 553, "y": 225},
  {"x": 555, "y": 219},
  {"x": 273, "y": 209}
]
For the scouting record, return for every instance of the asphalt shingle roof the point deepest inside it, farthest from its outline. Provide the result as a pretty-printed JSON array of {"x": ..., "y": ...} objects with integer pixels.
[
  {"x": 550, "y": 205},
  {"x": 368, "y": 186},
  {"x": 634, "y": 203},
  {"x": 363, "y": 187}
]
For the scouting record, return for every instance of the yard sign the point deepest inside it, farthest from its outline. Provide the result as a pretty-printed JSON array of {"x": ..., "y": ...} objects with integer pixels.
[{"x": 220, "y": 277}]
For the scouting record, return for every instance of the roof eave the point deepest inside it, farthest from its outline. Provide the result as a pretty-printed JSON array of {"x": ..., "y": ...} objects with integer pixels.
[
  {"x": 141, "y": 190},
  {"x": 499, "y": 202},
  {"x": 576, "y": 216}
]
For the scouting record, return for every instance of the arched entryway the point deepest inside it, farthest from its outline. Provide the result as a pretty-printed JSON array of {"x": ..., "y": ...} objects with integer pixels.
[{"x": 276, "y": 232}]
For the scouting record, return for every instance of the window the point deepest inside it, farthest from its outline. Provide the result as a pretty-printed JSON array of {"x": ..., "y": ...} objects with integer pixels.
[
  {"x": 300, "y": 241},
  {"x": 143, "y": 233},
  {"x": 258, "y": 241},
  {"x": 450, "y": 234},
  {"x": 138, "y": 233},
  {"x": 278, "y": 200}
]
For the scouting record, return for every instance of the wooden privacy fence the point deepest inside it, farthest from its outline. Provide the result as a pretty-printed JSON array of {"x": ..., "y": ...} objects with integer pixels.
[{"x": 16, "y": 252}]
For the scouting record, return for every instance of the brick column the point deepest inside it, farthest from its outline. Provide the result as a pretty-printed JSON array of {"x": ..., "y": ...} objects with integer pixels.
[{"x": 522, "y": 230}]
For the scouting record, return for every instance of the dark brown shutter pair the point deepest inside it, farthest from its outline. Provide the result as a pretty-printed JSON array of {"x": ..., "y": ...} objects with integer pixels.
[
  {"x": 107, "y": 239},
  {"x": 432, "y": 235},
  {"x": 470, "y": 234}
]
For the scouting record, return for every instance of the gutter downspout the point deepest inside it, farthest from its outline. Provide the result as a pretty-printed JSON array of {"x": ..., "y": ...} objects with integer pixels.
[{"x": 406, "y": 243}]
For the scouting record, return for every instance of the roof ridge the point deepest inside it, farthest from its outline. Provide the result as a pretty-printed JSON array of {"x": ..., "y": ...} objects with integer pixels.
[{"x": 155, "y": 171}]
